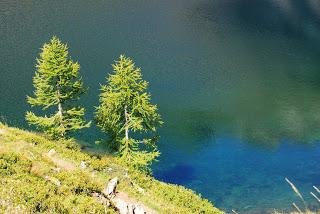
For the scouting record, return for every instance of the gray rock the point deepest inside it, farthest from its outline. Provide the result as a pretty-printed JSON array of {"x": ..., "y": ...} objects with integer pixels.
[
  {"x": 128, "y": 208},
  {"x": 83, "y": 165},
  {"x": 131, "y": 208},
  {"x": 122, "y": 206},
  {"x": 139, "y": 210},
  {"x": 110, "y": 189}
]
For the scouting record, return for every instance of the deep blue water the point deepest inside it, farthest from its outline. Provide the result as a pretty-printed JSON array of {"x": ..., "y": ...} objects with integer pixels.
[{"x": 236, "y": 81}]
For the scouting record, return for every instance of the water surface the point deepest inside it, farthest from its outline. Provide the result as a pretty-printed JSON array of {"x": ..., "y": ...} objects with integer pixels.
[{"x": 237, "y": 83}]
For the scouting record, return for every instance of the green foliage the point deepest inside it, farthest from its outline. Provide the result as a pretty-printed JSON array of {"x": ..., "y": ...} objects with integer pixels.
[
  {"x": 125, "y": 108},
  {"x": 99, "y": 164},
  {"x": 174, "y": 198},
  {"x": 10, "y": 164},
  {"x": 38, "y": 194},
  {"x": 24, "y": 166},
  {"x": 78, "y": 182},
  {"x": 57, "y": 85}
]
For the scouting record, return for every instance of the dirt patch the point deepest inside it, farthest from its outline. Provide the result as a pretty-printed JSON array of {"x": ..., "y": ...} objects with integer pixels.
[{"x": 63, "y": 164}]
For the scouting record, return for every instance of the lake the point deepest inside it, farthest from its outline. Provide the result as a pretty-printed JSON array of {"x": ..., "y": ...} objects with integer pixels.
[{"x": 237, "y": 83}]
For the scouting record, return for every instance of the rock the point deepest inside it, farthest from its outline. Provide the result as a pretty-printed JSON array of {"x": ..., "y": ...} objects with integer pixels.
[
  {"x": 83, "y": 165},
  {"x": 95, "y": 194},
  {"x": 51, "y": 152},
  {"x": 126, "y": 175},
  {"x": 109, "y": 169},
  {"x": 2, "y": 131},
  {"x": 139, "y": 210},
  {"x": 122, "y": 206},
  {"x": 131, "y": 208},
  {"x": 140, "y": 190},
  {"x": 56, "y": 170},
  {"x": 110, "y": 189},
  {"x": 128, "y": 208}
]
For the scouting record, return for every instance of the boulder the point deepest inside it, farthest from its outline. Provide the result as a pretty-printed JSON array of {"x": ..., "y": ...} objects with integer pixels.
[{"x": 110, "y": 189}]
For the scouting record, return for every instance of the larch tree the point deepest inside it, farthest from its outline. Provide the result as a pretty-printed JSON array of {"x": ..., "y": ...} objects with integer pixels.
[
  {"x": 125, "y": 112},
  {"x": 57, "y": 89}
]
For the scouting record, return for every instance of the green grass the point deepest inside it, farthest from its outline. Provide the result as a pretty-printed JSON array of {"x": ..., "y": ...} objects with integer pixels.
[{"x": 31, "y": 182}]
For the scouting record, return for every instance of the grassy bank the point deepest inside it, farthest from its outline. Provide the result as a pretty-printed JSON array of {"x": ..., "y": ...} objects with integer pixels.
[{"x": 36, "y": 180}]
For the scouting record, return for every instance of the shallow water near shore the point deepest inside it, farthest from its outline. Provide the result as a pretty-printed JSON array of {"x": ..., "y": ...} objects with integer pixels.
[{"x": 237, "y": 83}]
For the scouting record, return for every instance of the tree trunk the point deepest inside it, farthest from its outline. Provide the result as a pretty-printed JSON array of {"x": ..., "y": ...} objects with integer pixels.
[
  {"x": 60, "y": 111},
  {"x": 126, "y": 124}
]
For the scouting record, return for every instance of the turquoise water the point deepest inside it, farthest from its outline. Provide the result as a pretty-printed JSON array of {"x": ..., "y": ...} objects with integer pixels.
[{"x": 237, "y": 83}]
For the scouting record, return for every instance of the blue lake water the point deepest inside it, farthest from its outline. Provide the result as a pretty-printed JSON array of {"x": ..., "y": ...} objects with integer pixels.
[{"x": 236, "y": 81}]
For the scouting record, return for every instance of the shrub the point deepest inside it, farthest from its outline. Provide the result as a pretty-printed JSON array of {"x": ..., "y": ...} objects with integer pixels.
[{"x": 11, "y": 163}]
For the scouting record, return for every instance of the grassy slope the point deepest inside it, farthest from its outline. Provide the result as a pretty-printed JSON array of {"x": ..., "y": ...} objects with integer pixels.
[{"x": 30, "y": 183}]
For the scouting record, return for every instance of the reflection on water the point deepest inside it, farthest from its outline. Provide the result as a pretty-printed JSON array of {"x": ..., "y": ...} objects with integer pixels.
[
  {"x": 265, "y": 86},
  {"x": 237, "y": 82}
]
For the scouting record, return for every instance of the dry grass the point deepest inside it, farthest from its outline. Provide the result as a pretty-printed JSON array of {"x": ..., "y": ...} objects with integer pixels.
[{"x": 295, "y": 206}]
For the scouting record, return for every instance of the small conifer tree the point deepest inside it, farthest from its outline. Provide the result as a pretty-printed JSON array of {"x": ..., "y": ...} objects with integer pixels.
[
  {"x": 57, "y": 88},
  {"x": 126, "y": 113}
]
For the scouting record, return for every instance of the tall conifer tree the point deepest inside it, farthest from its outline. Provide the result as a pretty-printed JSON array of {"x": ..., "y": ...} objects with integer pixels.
[
  {"x": 125, "y": 111},
  {"x": 57, "y": 88}
]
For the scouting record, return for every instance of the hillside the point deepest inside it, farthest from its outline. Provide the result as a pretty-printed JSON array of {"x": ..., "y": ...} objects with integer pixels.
[{"x": 44, "y": 176}]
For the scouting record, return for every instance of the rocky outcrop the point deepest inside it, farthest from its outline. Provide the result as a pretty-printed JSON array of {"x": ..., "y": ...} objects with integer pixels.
[{"x": 121, "y": 201}]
